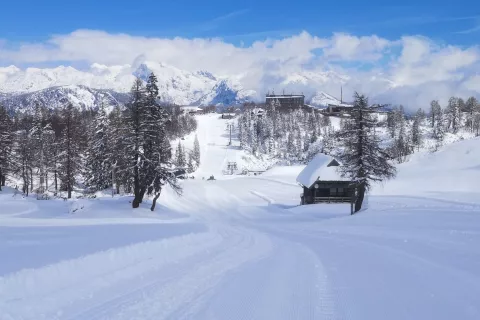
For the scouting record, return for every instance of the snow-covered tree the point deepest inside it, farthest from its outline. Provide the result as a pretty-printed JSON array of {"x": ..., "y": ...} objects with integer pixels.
[
  {"x": 190, "y": 163},
  {"x": 70, "y": 155},
  {"x": 196, "y": 152},
  {"x": 23, "y": 159},
  {"x": 417, "y": 135},
  {"x": 42, "y": 135},
  {"x": 472, "y": 108},
  {"x": 180, "y": 158},
  {"x": 453, "y": 114},
  {"x": 147, "y": 142},
  {"x": 364, "y": 161},
  {"x": 98, "y": 155},
  {"x": 6, "y": 140}
]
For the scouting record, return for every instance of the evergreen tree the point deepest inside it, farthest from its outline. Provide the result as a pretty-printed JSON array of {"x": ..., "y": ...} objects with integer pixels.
[
  {"x": 6, "y": 141},
  {"x": 23, "y": 159},
  {"x": 291, "y": 150},
  {"x": 306, "y": 142},
  {"x": 435, "y": 109},
  {"x": 196, "y": 152},
  {"x": 417, "y": 138},
  {"x": 190, "y": 163},
  {"x": 453, "y": 114},
  {"x": 298, "y": 144},
  {"x": 98, "y": 160},
  {"x": 70, "y": 156},
  {"x": 41, "y": 133},
  {"x": 476, "y": 124},
  {"x": 147, "y": 142},
  {"x": 363, "y": 160},
  {"x": 472, "y": 107},
  {"x": 401, "y": 146},
  {"x": 181, "y": 160},
  {"x": 119, "y": 160}
]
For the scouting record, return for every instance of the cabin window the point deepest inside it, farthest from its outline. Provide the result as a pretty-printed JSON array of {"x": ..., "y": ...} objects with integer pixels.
[{"x": 337, "y": 192}]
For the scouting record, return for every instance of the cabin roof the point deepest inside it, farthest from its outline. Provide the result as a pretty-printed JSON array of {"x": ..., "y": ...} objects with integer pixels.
[{"x": 322, "y": 167}]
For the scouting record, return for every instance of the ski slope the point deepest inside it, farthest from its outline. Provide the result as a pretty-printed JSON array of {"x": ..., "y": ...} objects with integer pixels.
[{"x": 241, "y": 248}]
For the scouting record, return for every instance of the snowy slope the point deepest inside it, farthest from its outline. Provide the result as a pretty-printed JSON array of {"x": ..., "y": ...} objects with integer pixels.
[
  {"x": 452, "y": 173},
  {"x": 241, "y": 248}
]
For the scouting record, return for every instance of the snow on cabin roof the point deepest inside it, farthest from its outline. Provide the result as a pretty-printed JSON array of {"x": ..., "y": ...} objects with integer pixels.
[{"x": 323, "y": 168}]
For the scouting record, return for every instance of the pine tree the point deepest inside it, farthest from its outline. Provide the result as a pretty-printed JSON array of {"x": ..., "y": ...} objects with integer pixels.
[
  {"x": 401, "y": 147},
  {"x": 196, "y": 152},
  {"x": 23, "y": 158},
  {"x": 435, "y": 109},
  {"x": 147, "y": 142},
  {"x": 41, "y": 134},
  {"x": 6, "y": 141},
  {"x": 119, "y": 160},
  {"x": 476, "y": 124},
  {"x": 453, "y": 114},
  {"x": 471, "y": 107},
  {"x": 298, "y": 144},
  {"x": 98, "y": 160},
  {"x": 180, "y": 156},
  {"x": 363, "y": 160},
  {"x": 70, "y": 156},
  {"x": 306, "y": 142},
  {"x": 291, "y": 149},
  {"x": 190, "y": 163},
  {"x": 417, "y": 138}
]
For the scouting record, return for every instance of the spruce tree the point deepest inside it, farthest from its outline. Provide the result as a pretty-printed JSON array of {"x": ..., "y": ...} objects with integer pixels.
[
  {"x": 453, "y": 114},
  {"x": 181, "y": 160},
  {"x": 147, "y": 142},
  {"x": 364, "y": 161},
  {"x": 98, "y": 160},
  {"x": 417, "y": 138},
  {"x": 70, "y": 155},
  {"x": 23, "y": 159},
  {"x": 41, "y": 134},
  {"x": 435, "y": 109},
  {"x": 196, "y": 152},
  {"x": 6, "y": 140},
  {"x": 472, "y": 107},
  {"x": 190, "y": 163}
]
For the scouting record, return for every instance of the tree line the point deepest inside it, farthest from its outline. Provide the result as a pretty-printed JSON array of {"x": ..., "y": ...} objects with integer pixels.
[
  {"x": 359, "y": 143},
  {"x": 285, "y": 134},
  {"x": 62, "y": 149}
]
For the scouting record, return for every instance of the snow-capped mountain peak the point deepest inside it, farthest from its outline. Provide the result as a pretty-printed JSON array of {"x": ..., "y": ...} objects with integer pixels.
[{"x": 322, "y": 99}]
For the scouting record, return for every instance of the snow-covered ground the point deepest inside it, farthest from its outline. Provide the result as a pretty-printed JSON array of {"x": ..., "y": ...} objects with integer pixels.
[{"x": 240, "y": 247}]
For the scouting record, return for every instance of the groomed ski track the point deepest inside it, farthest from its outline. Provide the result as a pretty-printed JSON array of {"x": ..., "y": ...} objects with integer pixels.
[{"x": 255, "y": 255}]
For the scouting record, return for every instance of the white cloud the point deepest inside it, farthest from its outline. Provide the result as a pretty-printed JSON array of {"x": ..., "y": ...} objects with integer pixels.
[
  {"x": 351, "y": 48},
  {"x": 411, "y": 69}
]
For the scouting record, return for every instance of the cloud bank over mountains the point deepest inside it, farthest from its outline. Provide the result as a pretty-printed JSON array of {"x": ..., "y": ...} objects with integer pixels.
[{"x": 411, "y": 70}]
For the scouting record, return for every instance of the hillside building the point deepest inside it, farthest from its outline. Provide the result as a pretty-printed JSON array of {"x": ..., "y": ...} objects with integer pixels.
[{"x": 286, "y": 100}]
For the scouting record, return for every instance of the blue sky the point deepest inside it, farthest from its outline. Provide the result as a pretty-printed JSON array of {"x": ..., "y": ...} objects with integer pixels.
[{"x": 453, "y": 22}]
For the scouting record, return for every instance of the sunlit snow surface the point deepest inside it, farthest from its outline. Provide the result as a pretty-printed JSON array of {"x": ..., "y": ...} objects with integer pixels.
[{"x": 240, "y": 247}]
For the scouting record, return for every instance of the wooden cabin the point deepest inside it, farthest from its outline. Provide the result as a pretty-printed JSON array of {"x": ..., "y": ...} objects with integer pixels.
[{"x": 322, "y": 183}]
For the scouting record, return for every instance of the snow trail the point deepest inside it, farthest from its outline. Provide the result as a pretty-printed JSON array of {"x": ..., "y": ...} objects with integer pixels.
[{"x": 241, "y": 248}]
